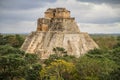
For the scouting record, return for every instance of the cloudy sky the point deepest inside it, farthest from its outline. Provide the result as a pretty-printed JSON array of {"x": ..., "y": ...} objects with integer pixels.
[{"x": 92, "y": 16}]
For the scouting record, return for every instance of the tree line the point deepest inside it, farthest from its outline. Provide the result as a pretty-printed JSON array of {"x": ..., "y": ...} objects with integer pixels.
[{"x": 97, "y": 64}]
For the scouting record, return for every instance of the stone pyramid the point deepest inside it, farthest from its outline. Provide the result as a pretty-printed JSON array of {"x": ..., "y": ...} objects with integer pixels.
[{"x": 58, "y": 29}]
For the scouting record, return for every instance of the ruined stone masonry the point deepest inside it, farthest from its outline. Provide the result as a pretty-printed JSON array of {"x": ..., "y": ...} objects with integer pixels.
[{"x": 58, "y": 29}]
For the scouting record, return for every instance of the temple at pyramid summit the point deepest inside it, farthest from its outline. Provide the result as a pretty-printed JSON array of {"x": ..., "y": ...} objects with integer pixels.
[{"x": 58, "y": 29}]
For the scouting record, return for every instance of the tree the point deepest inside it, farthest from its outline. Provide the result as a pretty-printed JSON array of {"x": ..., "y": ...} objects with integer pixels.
[
  {"x": 33, "y": 67},
  {"x": 6, "y": 50},
  {"x": 31, "y": 58},
  {"x": 12, "y": 63},
  {"x": 114, "y": 75},
  {"x": 59, "y": 51},
  {"x": 118, "y": 43},
  {"x": 58, "y": 70},
  {"x": 15, "y": 64},
  {"x": 97, "y": 53},
  {"x": 115, "y": 55},
  {"x": 20, "y": 40},
  {"x": 12, "y": 40},
  {"x": 2, "y": 40},
  {"x": 32, "y": 72},
  {"x": 94, "y": 69}
]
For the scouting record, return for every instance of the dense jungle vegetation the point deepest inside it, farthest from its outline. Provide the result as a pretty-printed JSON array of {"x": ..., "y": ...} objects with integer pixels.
[{"x": 97, "y": 64}]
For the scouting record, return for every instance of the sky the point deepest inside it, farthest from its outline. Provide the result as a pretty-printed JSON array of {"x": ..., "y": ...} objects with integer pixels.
[{"x": 92, "y": 16}]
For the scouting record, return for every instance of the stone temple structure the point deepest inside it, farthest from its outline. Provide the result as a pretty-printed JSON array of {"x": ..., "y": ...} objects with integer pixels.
[{"x": 58, "y": 29}]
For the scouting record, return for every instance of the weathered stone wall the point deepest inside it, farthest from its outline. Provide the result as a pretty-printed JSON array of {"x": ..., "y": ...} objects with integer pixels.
[
  {"x": 62, "y": 15},
  {"x": 44, "y": 27},
  {"x": 57, "y": 13},
  {"x": 58, "y": 29},
  {"x": 43, "y": 24},
  {"x": 58, "y": 24},
  {"x": 43, "y": 43},
  {"x": 49, "y": 15}
]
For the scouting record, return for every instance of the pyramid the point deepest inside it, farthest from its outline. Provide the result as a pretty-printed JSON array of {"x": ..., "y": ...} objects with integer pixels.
[{"x": 58, "y": 29}]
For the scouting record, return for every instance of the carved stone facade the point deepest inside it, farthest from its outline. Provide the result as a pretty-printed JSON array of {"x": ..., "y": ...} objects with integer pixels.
[
  {"x": 58, "y": 29},
  {"x": 57, "y": 13}
]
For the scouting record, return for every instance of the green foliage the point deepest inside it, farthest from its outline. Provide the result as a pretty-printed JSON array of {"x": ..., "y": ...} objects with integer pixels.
[
  {"x": 12, "y": 40},
  {"x": 115, "y": 55},
  {"x": 59, "y": 70},
  {"x": 15, "y": 64},
  {"x": 97, "y": 53},
  {"x": 51, "y": 59},
  {"x": 118, "y": 38},
  {"x": 6, "y": 49},
  {"x": 31, "y": 58},
  {"x": 32, "y": 73},
  {"x": 2, "y": 41},
  {"x": 20, "y": 40},
  {"x": 59, "y": 51},
  {"x": 97, "y": 64},
  {"x": 105, "y": 42},
  {"x": 33, "y": 67},
  {"x": 11, "y": 63},
  {"x": 94, "y": 69},
  {"x": 115, "y": 75},
  {"x": 118, "y": 43}
]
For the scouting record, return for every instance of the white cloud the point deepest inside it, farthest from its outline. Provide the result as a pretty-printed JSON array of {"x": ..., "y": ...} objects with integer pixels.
[
  {"x": 93, "y": 18},
  {"x": 100, "y": 28},
  {"x": 88, "y": 12},
  {"x": 101, "y": 11},
  {"x": 19, "y": 27},
  {"x": 30, "y": 14}
]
